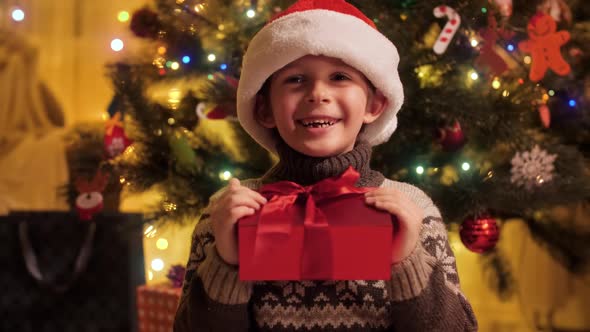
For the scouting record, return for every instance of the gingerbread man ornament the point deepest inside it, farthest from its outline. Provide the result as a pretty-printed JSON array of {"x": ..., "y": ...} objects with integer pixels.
[{"x": 544, "y": 44}]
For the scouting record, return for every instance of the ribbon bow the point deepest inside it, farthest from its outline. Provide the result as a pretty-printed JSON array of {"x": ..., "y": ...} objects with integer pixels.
[
  {"x": 284, "y": 203},
  {"x": 113, "y": 122}
]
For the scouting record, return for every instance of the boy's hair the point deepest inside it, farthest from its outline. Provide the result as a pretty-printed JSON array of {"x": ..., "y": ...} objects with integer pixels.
[{"x": 332, "y": 28}]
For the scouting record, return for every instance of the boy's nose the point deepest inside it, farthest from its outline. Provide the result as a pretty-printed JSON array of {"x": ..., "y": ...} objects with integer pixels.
[{"x": 318, "y": 93}]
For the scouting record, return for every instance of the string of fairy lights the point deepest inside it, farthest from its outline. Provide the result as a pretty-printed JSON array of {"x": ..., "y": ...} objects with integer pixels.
[
  {"x": 427, "y": 73},
  {"x": 163, "y": 65}
]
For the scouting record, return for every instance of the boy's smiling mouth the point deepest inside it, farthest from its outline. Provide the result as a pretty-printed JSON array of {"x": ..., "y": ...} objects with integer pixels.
[{"x": 318, "y": 122}]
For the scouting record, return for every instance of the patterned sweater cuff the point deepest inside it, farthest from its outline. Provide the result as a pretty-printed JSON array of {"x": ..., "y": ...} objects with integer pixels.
[
  {"x": 221, "y": 280},
  {"x": 410, "y": 276}
]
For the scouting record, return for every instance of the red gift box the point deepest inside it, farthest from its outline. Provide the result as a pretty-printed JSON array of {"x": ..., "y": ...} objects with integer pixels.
[
  {"x": 320, "y": 232},
  {"x": 156, "y": 307}
]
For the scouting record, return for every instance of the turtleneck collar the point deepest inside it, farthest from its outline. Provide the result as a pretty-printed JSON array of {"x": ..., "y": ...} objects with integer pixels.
[{"x": 305, "y": 170}]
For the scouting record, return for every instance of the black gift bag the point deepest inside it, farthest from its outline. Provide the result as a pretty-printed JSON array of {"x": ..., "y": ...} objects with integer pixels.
[{"x": 61, "y": 274}]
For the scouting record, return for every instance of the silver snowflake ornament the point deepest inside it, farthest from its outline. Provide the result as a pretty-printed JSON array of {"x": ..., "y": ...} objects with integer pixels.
[{"x": 533, "y": 168}]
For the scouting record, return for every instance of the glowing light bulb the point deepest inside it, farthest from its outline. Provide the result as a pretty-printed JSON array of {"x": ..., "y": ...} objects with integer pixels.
[
  {"x": 465, "y": 166},
  {"x": 551, "y": 93},
  {"x": 161, "y": 50},
  {"x": 18, "y": 14},
  {"x": 474, "y": 76},
  {"x": 223, "y": 66},
  {"x": 251, "y": 13},
  {"x": 420, "y": 170},
  {"x": 496, "y": 84},
  {"x": 527, "y": 60},
  {"x": 157, "y": 264},
  {"x": 474, "y": 42},
  {"x": 211, "y": 57},
  {"x": 162, "y": 244},
  {"x": 572, "y": 103},
  {"x": 186, "y": 59},
  {"x": 117, "y": 45},
  {"x": 510, "y": 47},
  {"x": 174, "y": 65},
  {"x": 123, "y": 16},
  {"x": 225, "y": 176}
]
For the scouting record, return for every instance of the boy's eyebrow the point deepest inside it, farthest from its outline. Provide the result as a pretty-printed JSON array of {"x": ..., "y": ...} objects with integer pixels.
[{"x": 287, "y": 66}]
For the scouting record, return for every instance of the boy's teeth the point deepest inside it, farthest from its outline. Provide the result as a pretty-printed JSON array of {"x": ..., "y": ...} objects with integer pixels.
[{"x": 317, "y": 123}]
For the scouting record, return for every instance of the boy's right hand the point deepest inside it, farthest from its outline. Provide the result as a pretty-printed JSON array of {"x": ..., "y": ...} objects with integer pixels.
[{"x": 235, "y": 202}]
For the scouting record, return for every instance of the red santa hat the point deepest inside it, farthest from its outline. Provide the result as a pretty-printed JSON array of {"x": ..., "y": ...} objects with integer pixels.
[{"x": 331, "y": 28}]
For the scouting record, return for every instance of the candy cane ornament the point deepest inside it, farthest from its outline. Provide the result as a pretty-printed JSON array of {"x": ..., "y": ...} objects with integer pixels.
[{"x": 449, "y": 30}]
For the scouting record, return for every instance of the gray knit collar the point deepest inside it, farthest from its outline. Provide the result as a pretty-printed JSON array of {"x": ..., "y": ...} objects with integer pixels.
[{"x": 305, "y": 170}]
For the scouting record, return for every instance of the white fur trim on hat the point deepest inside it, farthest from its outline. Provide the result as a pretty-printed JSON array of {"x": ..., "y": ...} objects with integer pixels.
[{"x": 320, "y": 32}]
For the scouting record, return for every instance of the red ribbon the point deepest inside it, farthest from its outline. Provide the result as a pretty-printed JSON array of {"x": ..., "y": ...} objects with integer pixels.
[
  {"x": 113, "y": 122},
  {"x": 285, "y": 203}
]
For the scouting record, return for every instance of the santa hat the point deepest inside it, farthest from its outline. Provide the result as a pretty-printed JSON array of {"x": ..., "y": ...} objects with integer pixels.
[{"x": 331, "y": 28}]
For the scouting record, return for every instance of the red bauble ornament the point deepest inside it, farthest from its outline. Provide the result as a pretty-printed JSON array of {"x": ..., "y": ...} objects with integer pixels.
[
  {"x": 451, "y": 137},
  {"x": 145, "y": 23},
  {"x": 480, "y": 234}
]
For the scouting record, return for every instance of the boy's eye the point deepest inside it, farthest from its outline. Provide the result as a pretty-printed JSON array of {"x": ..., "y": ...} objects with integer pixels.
[
  {"x": 340, "y": 77},
  {"x": 294, "y": 79}
]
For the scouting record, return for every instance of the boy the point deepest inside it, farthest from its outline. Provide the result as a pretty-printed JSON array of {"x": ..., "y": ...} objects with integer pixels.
[{"x": 319, "y": 87}]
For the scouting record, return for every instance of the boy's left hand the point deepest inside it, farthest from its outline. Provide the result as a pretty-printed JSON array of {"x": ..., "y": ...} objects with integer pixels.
[{"x": 409, "y": 219}]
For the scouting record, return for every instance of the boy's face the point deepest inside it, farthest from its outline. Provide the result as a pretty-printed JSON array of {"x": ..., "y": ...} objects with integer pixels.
[{"x": 318, "y": 105}]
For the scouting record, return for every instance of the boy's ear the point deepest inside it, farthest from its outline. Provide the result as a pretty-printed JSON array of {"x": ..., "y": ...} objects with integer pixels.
[
  {"x": 263, "y": 113},
  {"x": 375, "y": 107}
]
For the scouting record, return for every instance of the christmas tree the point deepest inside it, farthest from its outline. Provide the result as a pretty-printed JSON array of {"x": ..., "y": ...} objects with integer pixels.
[{"x": 495, "y": 125}]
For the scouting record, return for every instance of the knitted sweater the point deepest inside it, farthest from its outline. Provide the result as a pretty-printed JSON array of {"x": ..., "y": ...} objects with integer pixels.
[{"x": 423, "y": 293}]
